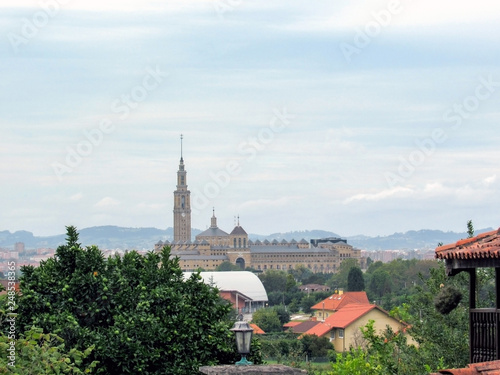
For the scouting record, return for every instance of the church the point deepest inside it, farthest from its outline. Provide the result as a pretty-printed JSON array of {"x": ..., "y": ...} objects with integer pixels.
[{"x": 214, "y": 246}]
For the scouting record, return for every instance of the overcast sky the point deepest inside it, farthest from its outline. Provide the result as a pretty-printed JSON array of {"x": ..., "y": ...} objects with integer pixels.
[{"x": 351, "y": 116}]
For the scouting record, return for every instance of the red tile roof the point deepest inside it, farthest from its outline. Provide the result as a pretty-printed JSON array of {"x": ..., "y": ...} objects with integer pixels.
[
  {"x": 304, "y": 326},
  {"x": 320, "y": 329},
  {"x": 337, "y": 301},
  {"x": 256, "y": 329},
  {"x": 291, "y": 324},
  {"x": 485, "y": 245},
  {"x": 486, "y": 368},
  {"x": 343, "y": 318}
]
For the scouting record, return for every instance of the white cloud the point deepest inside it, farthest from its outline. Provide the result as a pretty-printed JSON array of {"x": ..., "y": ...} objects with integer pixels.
[
  {"x": 265, "y": 204},
  {"x": 76, "y": 197},
  {"x": 398, "y": 191},
  {"x": 349, "y": 15},
  {"x": 113, "y": 5},
  {"x": 107, "y": 202},
  {"x": 490, "y": 180}
]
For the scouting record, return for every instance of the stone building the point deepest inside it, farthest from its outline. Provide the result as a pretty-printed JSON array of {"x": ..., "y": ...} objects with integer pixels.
[{"x": 214, "y": 246}]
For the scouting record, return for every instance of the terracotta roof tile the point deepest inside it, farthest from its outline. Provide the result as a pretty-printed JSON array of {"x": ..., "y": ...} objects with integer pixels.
[
  {"x": 291, "y": 324},
  {"x": 256, "y": 329},
  {"x": 304, "y": 326},
  {"x": 336, "y": 301},
  {"x": 320, "y": 329},
  {"x": 348, "y": 314},
  {"x": 342, "y": 318},
  {"x": 484, "y": 245},
  {"x": 485, "y": 368}
]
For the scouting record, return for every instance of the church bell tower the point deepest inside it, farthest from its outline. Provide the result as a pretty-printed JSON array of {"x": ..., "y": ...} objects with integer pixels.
[{"x": 182, "y": 205}]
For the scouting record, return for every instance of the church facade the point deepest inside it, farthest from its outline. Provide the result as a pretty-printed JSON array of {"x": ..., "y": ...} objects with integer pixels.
[{"x": 214, "y": 246}]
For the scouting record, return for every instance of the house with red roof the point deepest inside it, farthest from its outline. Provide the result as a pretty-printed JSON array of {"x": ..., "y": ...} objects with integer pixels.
[
  {"x": 343, "y": 326},
  {"x": 335, "y": 302},
  {"x": 256, "y": 329},
  {"x": 302, "y": 327},
  {"x": 290, "y": 325}
]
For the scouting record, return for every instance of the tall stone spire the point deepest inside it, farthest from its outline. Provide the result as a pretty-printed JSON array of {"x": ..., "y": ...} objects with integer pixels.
[
  {"x": 182, "y": 205},
  {"x": 213, "y": 222}
]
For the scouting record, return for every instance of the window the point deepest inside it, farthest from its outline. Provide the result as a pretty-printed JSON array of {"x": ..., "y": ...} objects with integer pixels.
[
  {"x": 341, "y": 333},
  {"x": 332, "y": 335}
]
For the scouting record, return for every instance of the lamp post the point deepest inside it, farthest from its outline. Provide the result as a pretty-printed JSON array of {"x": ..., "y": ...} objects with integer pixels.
[{"x": 243, "y": 333}]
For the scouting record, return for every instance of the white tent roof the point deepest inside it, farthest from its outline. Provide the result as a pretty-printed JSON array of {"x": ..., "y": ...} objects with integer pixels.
[{"x": 244, "y": 282}]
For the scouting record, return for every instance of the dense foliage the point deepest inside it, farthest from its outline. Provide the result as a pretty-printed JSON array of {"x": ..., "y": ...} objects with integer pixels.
[
  {"x": 355, "y": 280},
  {"x": 268, "y": 320},
  {"x": 138, "y": 312},
  {"x": 442, "y": 340},
  {"x": 37, "y": 353},
  {"x": 287, "y": 348}
]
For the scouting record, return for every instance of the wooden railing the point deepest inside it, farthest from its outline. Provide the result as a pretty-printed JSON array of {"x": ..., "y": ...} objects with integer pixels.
[{"x": 484, "y": 335}]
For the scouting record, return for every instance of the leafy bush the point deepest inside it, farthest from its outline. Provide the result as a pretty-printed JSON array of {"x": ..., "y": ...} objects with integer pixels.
[
  {"x": 37, "y": 353},
  {"x": 447, "y": 300},
  {"x": 138, "y": 311},
  {"x": 268, "y": 320}
]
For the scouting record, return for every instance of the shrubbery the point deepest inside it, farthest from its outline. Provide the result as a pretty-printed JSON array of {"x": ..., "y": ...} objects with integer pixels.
[{"x": 137, "y": 312}]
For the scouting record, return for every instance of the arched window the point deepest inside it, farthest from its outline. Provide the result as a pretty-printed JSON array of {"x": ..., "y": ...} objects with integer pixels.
[
  {"x": 244, "y": 242},
  {"x": 239, "y": 242},
  {"x": 234, "y": 243}
]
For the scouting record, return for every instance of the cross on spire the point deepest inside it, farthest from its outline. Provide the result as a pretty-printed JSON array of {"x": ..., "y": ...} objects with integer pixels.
[{"x": 181, "y": 145}]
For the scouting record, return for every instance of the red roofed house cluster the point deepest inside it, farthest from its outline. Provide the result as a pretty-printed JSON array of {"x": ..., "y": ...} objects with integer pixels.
[{"x": 340, "y": 317}]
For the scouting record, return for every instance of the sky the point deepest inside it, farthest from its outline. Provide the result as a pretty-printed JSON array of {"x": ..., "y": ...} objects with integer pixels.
[{"x": 356, "y": 117}]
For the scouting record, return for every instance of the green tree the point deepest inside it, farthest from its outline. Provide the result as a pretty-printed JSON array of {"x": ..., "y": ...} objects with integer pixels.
[
  {"x": 37, "y": 353},
  {"x": 283, "y": 314},
  {"x": 339, "y": 280},
  {"x": 470, "y": 229},
  {"x": 308, "y": 301},
  {"x": 274, "y": 281},
  {"x": 441, "y": 338},
  {"x": 138, "y": 311},
  {"x": 355, "y": 280},
  {"x": 380, "y": 283},
  {"x": 315, "y": 346},
  {"x": 268, "y": 319},
  {"x": 227, "y": 266},
  {"x": 300, "y": 273}
]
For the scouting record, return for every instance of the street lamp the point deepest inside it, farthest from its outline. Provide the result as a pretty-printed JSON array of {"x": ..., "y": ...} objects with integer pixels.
[{"x": 243, "y": 333}]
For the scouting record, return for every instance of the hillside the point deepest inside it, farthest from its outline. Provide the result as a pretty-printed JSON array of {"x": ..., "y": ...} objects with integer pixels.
[{"x": 113, "y": 237}]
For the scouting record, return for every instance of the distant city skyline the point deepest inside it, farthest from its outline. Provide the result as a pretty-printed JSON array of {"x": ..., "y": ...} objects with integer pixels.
[{"x": 350, "y": 117}]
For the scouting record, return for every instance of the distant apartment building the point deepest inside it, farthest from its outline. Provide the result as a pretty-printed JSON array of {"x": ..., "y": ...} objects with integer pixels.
[
  {"x": 386, "y": 256},
  {"x": 19, "y": 247},
  {"x": 215, "y": 246}
]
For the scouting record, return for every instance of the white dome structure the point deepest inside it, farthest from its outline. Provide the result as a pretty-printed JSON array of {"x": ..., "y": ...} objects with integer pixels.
[{"x": 244, "y": 282}]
